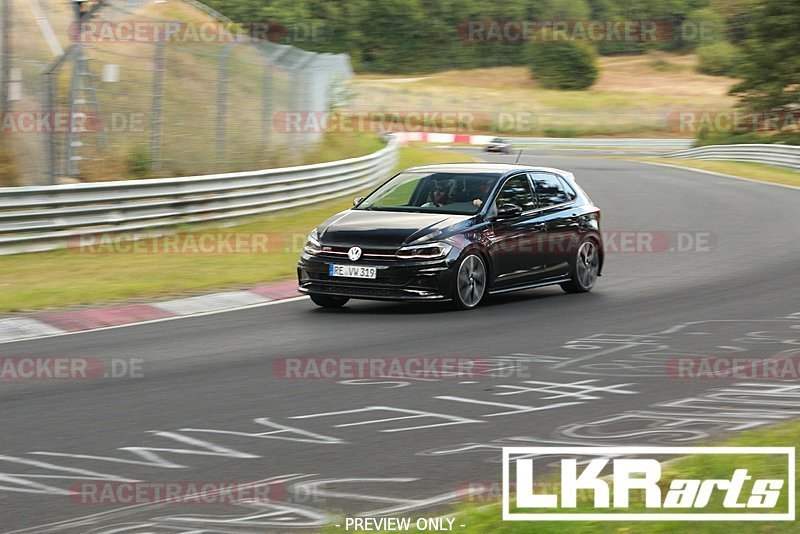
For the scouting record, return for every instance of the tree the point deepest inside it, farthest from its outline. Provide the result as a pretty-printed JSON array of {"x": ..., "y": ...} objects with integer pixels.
[
  {"x": 718, "y": 59},
  {"x": 771, "y": 53},
  {"x": 563, "y": 64}
]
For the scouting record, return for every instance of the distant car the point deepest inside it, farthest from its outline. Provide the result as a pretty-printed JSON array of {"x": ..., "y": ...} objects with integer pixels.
[
  {"x": 498, "y": 144},
  {"x": 456, "y": 232}
]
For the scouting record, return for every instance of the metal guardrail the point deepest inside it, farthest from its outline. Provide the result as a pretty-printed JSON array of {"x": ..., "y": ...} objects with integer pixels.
[
  {"x": 782, "y": 155},
  {"x": 49, "y": 217},
  {"x": 608, "y": 142}
]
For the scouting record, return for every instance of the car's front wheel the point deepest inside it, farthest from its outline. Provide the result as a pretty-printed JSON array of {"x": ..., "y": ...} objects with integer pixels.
[
  {"x": 328, "y": 301},
  {"x": 585, "y": 267},
  {"x": 469, "y": 284}
]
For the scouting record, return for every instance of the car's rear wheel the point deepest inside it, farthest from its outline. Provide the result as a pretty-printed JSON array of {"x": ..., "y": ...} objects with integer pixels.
[
  {"x": 585, "y": 267},
  {"x": 328, "y": 301},
  {"x": 469, "y": 284}
]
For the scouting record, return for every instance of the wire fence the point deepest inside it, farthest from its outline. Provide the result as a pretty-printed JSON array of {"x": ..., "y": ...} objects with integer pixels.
[
  {"x": 47, "y": 217},
  {"x": 159, "y": 89}
]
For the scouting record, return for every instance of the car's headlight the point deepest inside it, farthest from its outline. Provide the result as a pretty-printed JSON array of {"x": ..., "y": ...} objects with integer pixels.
[
  {"x": 428, "y": 252},
  {"x": 312, "y": 243}
]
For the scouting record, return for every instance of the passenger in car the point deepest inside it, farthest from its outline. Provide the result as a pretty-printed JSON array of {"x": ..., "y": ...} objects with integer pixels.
[{"x": 481, "y": 193}]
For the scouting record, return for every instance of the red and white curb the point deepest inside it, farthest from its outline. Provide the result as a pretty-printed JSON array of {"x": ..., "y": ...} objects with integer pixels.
[
  {"x": 63, "y": 322},
  {"x": 436, "y": 137}
]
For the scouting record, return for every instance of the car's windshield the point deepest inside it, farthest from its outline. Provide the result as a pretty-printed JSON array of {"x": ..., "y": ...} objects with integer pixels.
[{"x": 436, "y": 192}]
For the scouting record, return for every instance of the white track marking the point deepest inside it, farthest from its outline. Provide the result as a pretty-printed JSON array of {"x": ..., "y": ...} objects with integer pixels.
[
  {"x": 515, "y": 408},
  {"x": 414, "y": 414},
  {"x": 164, "y": 319}
]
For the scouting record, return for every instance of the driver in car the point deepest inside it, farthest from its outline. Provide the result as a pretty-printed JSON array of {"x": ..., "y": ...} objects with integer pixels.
[{"x": 440, "y": 198}]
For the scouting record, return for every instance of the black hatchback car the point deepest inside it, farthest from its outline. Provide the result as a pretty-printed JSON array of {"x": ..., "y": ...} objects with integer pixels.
[{"x": 456, "y": 232}]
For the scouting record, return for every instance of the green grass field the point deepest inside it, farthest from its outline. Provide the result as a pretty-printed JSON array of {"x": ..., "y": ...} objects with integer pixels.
[
  {"x": 754, "y": 171},
  {"x": 71, "y": 277}
]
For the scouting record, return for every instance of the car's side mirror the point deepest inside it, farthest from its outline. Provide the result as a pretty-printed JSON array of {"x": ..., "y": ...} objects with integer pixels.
[
  {"x": 507, "y": 211},
  {"x": 357, "y": 201}
]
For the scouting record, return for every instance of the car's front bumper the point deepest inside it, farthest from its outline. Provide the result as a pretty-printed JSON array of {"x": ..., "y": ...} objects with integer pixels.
[{"x": 428, "y": 280}]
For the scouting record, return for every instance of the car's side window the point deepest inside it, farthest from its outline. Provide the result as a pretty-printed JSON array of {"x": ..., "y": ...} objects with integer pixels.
[
  {"x": 517, "y": 190},
  {"x": 549, "y": 189},
  {"x": 571, "y": 194}
]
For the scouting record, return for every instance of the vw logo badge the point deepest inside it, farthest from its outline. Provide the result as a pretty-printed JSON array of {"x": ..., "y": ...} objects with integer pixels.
[{"x": 354, "y": 253}]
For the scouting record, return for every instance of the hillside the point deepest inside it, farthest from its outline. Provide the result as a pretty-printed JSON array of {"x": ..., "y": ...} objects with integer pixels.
[{"x": 628, "y": 99}]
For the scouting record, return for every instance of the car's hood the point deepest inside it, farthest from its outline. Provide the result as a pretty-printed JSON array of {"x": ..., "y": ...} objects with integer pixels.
[{"x": 381, "y": 229}]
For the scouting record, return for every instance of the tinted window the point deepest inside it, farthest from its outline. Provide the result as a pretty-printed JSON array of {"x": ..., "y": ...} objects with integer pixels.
[
  {"x": 517, "y": 191},
  {"x": 571, "y": 194},
  {"x": 425, "y": 191},
  {"x": 549, "y": 189}
]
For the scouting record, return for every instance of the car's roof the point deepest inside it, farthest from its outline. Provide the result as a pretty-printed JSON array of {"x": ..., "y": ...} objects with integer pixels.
[{"x": 479, "y": 167}]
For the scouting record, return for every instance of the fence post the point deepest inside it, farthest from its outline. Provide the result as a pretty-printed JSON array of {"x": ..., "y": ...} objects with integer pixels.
[
  {"x": 266, "y": 107},
  {"x": 50, "y": 106},
  {"x": 156, "y": 122},
  {"x": 6, "y": 62},
  {"x": 297, "y": 107},
  {"x": 222, "y": 102},
  {"x": 71, "y": 167}
]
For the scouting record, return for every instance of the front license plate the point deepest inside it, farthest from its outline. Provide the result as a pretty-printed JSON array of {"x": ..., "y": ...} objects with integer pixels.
[{"x": 352, "y": 271}]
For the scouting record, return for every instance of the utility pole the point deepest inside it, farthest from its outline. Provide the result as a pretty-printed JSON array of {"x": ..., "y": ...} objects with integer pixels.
[{"x": 6, "y": 61}]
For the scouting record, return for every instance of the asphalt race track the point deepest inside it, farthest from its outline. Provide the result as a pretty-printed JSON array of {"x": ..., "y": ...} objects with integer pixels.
[{"x": 716, "y": 272}]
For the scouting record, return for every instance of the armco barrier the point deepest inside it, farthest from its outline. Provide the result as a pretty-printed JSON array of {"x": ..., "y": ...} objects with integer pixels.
[
  {"x": 783, "y": 155},
  {"x": 48, "y": 217}
]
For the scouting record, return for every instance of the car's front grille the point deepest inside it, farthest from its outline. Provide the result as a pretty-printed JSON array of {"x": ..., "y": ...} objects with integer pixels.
[
  {"x": 385, "y": 280},
  {"x": 368, "y": 253},
  {"x": 360, "y": 290},
  {"x": 378, "y": 291}
]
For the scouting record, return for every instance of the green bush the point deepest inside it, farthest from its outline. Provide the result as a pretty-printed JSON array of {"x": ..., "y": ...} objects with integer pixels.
[
  {"x": 702, "y": 27},
  {"x": 718, "y": 59},
  {"x": 733, "y": 138},
  {"x": 139, "y": 162},
  {"x": 569, "y": 65}
]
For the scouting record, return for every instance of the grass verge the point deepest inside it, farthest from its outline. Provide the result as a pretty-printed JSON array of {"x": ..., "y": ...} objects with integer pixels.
[
  {"x": 480, "y": 519},
  {"x": 753, "y": 171},
  {"x": 145, "y": 270}
]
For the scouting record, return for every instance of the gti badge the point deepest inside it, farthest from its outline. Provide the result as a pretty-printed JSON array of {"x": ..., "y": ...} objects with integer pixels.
[{"x": 354, "y": 253}]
